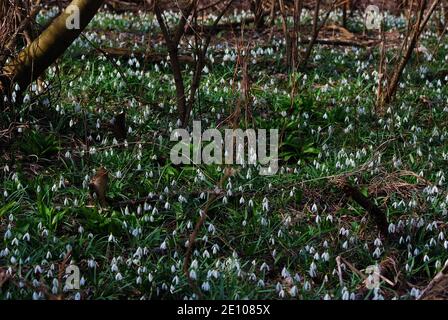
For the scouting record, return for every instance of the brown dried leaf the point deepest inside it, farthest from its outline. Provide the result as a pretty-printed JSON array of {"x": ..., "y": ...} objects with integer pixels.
[{"x": 98, "y": 185}]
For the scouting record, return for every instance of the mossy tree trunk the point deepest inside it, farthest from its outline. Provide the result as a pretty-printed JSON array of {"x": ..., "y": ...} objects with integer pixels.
[{"x": 32, "y": 61}]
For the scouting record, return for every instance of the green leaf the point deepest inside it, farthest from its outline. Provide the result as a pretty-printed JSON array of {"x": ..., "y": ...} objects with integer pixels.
[
  {"x": 411, "y": 158},
  {"x": 365, "y": 191},
  {"x": 311, "y": 150},
  {"x": 6, "y": 208}
]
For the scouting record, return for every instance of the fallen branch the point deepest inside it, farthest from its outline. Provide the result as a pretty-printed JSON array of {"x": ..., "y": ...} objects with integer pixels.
[
  {"x": 437, "y": 288},
  {"x": 378, "y": 215},
  {"x": 342, "y": 42}
]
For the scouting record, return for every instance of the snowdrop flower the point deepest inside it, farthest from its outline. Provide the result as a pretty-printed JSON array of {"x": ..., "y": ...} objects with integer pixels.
[
  {"x": 415, "y": 293},
  {"x": 391, "y": 228},
  {"x": 281, "y": 294},
  {"x": 312, "y": 270},
  {"x": 377, "y": 253},
  {"x": 37, "y": 269},
  {"x": 91, "y": 263},
  {"x": 285, "y": 273},
  {"x": 264, "y": 267},
  {"x": 26, "y": 237},
  {"x": 114, "y": 268},
  {"x": 215, "y": 249},
  {"x": 118, "y": 276},
  {"x": 306, "y": 286},
  {"x": 205, "y": 286},
  {"x": 265, "y": 204},
  {"x": 111, "y": 238},
  {"x": 377, "y": 242}
]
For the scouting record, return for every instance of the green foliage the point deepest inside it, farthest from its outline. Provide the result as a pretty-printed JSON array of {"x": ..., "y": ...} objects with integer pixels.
[
  {"x": 37, "y": 144},
  {"x": 262, "y": 234}
]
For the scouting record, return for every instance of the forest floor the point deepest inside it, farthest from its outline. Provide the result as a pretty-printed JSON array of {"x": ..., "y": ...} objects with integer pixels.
[{"x": 292, "y": 235}]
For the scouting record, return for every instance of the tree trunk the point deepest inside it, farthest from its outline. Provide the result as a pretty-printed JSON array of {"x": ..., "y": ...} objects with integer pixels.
[
  {"x": 32, "y": 61},
  {"x": 257, "y": 10},
  {"x": 410, "y": 44}
]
